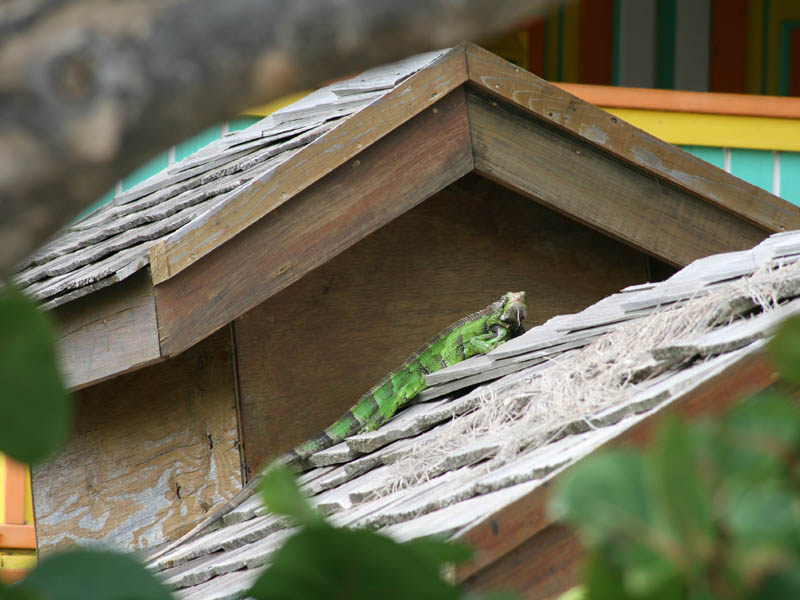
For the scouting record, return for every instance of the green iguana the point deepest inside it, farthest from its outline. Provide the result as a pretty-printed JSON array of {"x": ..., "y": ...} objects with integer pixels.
[{"x": 477, "y": 333}]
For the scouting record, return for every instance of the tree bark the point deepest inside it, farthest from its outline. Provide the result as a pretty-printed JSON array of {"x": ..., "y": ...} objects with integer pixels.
[{"x": 90, "y": 89}]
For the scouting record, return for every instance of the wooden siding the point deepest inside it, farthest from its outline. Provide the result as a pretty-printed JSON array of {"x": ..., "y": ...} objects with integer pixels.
[
  {"x": 577, "y": 180},
  {"x": 151, "y": 453},
  {"x": 309, "y": 352}
]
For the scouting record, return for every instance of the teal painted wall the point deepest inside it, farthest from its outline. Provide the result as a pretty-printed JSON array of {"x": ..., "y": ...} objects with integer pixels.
[{"x": 776, "y": 172}]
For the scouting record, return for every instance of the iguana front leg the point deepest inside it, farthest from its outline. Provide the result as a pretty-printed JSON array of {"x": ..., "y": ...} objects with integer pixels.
[{"x": 486, "y": 342}]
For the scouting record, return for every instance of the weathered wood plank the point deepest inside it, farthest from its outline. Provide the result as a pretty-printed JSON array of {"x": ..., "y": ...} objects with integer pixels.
[
  {"x": 551, "y": 562},
  {"x": 402, "y": 169},
  {"x": 598, "y": 190},
  {"x": 162, "y": 445},
  {"x": 613, "y": 135},
  {"x": 376, "y": 303},
  {"x": 514, "y": 525},
  {"x": 410, "y": 98},
  {"x": 109, "y": 332}
]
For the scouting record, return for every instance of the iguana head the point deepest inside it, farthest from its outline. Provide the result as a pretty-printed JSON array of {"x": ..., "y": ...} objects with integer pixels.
[{"x": 514, "y": 310}]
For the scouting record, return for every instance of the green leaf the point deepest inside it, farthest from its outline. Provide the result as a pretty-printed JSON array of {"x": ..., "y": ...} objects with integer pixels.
[
  {"x": 681, "y": 501},
  {"x": 606, "y": 579},
  {"x": 767, "y": 413},
  {"x": 576, "y": 593},
  {"x": 92, "y": 575},
  {"x": 647, "y": 574},
  {"x": 785, "y": 584},
  {"x": 323, "y": 562},
  {"x": 784, "y": 349},
  {"x": 35, "y": 412},
  {"x": 755, "y": 439},
  {"x": 438, "y": 552},
  {"x": 746, "y": 518},
  {"x": 602, "y": 579},
  {"x": 16, "y": 592},
  {"x": 603, "y": 496},
  {"x": 282, "y": 496}
]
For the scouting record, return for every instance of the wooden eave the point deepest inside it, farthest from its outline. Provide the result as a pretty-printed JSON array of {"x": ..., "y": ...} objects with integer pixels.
[
  {"x": 469, "y": 110},
  {"x": 522, "y": 548}
]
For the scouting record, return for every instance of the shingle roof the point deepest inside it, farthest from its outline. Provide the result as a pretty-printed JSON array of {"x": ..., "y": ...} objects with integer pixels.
[
  {"x": 567, "y": 386},
  {"x": 113, "y": 242}
]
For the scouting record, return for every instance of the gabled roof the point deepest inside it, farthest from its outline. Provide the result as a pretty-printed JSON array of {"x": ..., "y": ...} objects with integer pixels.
[
  {"x": 475, "y": 463},
  {"x": 251, "y": 213},
  {"x": 113, "y": 242}
]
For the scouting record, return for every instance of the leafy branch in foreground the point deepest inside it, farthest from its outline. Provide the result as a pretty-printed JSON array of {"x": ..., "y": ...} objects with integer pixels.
[
  {"x": 325, "y": 562},
  {"x": 710, "y": 510}
]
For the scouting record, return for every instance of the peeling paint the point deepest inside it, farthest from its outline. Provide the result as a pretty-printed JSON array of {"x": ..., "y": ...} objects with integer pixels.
[{"x": 593, "y": 133}]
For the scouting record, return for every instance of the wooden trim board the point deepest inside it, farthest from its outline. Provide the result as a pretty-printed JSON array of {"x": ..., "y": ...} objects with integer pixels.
[
  {"x": 612, "y": 135},
  {"x": 541, "y": 568},
  {"x": 499, "y": 535},
  {"x": 108, "y": 332},
  {"x": 14, "y": 490},
  {"x": 18, "y": 536},
  {"x": 402, "y": 169},
  {"x": 586, "y": 184},
  {"x": 418, "y": 92},
  {"x": 714, "y": 103}
]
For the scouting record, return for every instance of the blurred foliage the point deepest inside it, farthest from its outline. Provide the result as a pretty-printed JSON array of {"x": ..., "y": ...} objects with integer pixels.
[
  {"x": 326, "y": 562},
  {"x": 35, "y": 412},
  {"x": 710, "y": 511},
  {"x": 87, "y": 574}
]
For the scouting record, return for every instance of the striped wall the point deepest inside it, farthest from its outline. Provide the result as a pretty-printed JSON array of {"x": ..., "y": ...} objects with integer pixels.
[
  {"x": 744, "y": 46},
  {"x": 17, "y": 537},
  {"x": 776, "y": 172}
]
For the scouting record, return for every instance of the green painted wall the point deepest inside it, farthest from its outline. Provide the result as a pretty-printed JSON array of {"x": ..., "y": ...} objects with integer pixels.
[{"x": 776, "y": 172}]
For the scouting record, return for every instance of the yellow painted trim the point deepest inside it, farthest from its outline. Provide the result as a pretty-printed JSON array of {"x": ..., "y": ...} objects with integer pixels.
[
  {"x": 721, "y": 131},
  {"x": 17, "y": 560},
  {"x": 551, "y": 40},
  {"x": 572, "y": 21},
  {"x": 270, "y": 107}
]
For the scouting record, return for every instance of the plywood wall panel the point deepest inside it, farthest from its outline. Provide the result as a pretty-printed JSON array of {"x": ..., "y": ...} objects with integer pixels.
[
  {"x": 308, "y": 353},
  {"x": 151, "y": 453}
]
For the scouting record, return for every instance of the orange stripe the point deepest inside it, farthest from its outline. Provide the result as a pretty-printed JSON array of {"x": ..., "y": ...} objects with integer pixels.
[
  {"x": 18, "y": 536},
  {"x": 680, "y": 101},
  {"x": 536, "y": 48},
  {"x": 12, "y": 575},
  {"x": 15, "y": 492},
  {"x": 728, "y": 48},
  {"x": 596, "y": 30}
]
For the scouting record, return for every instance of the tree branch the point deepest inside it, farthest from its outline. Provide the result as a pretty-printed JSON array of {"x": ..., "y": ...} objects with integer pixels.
[{"x": 91, "y": 89}]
